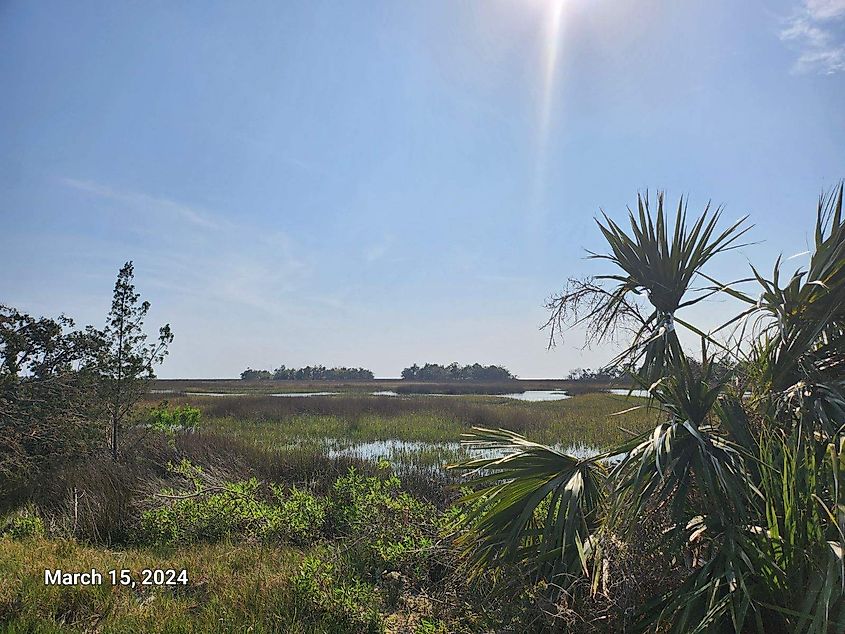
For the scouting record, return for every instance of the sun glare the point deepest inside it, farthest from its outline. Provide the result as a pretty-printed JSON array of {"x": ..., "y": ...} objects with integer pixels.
[
  {"x": 551, "y": 51},
  {"x": 553, "y": 25}
]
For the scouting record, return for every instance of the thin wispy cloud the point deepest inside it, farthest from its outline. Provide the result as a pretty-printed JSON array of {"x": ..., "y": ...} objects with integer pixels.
[
  {"x": 825, "y": 9},
  {"x": 376, "y": 252},
  {"x": 816, "y": 33},
  {"x": 146, "y": 203},
  {"x": 236, "y": 264}
]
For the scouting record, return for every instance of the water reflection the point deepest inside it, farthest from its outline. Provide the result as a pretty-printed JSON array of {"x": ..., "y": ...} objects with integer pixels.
[
  {"x": 399, "y": 451},
  {"x": 637, "y": 393},
  {"x": 537, "y": 395},
  {"x": 305, "y": 394}
]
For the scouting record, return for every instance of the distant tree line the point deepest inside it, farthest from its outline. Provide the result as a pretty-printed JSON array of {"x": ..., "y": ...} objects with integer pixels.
[
  {"x": 602, "y": 375},
  {"x": 308, "y": 373},
  {"x": 719, "y": 368},
  {"x": 456, "y": 372}
]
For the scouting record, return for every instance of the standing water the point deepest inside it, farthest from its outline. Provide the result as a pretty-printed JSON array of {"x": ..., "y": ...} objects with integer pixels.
[{"x": 537, "y": 395}]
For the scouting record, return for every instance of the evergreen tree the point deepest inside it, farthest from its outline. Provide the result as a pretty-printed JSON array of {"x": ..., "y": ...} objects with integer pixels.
[{"x": 125, "y": 360}]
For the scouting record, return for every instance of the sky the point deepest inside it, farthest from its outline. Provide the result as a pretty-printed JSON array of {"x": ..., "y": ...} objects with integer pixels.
[{"x": 382, "y": 183}]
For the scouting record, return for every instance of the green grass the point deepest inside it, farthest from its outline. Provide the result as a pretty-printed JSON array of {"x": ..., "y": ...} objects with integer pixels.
[
  {"x": 231, "y": 587},
  {"x": 276, "y": 565},
  {"x": 586, "y": 419}
]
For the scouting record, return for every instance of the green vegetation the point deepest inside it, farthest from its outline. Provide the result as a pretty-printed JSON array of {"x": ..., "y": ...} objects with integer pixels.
[
  {"x": 351, "y": 549},
  {"x": 587, "y": 419},
  {"x": 171, "y": 419},
  {"x": 124, "y": 361},
  {"x": 63, "y": 390},
  {"x": 24, "y": 523},
  {"x": 314, "y": 540},
  {"x": 456, "y": 372},
  {"x": 738, "y": 487},
  {"x": 309, "y": 373},
  {"x": 715, "y": 505}
]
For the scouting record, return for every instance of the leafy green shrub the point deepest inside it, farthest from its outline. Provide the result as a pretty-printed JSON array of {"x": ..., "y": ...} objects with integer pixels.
[
  {"x": 299, "y": 518},
  {"x": 393, "y": 529},
  {"x": 24, "y": 523},
  {"x": 206, "y": 516},
  {"x": 166, "y": 419},
  {"x": 431, "y": 626},
  {"x": 335, "y": 601}
]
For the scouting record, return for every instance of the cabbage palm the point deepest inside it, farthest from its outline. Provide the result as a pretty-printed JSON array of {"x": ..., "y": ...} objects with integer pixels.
[
  {"x": 748, "y": 477},
  {"x": 535, "y": 505}
]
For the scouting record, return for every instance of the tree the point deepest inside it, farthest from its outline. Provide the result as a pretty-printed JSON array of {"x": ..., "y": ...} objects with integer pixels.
[
  {"x": 744, "y": 469},
  {"x": 48, "y": 411},
  {"x": 456, "y": 372},
  {"x": 125, "y": 361},
  {"x": 309, "y": 373},
  {"x": 255, "y": 375},
  {"x": 410, "y": 374}
]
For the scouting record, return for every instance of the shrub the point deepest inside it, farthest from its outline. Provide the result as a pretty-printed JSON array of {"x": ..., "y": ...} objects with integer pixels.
[
  {"x": 299, "y": 518},
  {"x": 332, "y": 599},
  {"x": 184, "y": 418},
  {"x": 206, "y": 516},
  {"x": 25, "y": 523},
  {"x": 431, "y": 626},
  {"x": 393, "y": 529}
]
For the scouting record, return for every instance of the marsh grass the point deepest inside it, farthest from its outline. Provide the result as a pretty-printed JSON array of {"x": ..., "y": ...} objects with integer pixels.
[
  {"x": 268, "y": 422},
  {"x": 237, "y": 386},
  {"x": 334, "y": 581},
  {"x": 232, "y": 588},
  {"x": 245, "y": 586}
]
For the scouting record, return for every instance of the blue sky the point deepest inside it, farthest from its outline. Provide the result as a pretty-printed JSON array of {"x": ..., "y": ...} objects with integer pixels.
[{"x": 382, "y": 183}]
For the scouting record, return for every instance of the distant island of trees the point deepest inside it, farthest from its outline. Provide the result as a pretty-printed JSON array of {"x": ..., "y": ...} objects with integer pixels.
[
  {"x": 429, "y": 372},
  {"x": 455, "y": 372},
  {"x": 308, "y": 373}
]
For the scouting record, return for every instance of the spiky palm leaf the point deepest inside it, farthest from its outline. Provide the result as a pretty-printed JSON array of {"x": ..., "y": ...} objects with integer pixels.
[
  {"x": 752, "y": 481},
  {"x": 800, "y": 353},
  {"x": 684, "y": 455},
  {"x": 663, "y": 268},
  {"x": 717, "y": 591},
  {"x": 531, "y": 504}
]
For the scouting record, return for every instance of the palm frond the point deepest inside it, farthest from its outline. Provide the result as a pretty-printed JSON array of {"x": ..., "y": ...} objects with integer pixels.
[
  {"x": 655, "y": 261},
  {"x": 533, "y": 505}
]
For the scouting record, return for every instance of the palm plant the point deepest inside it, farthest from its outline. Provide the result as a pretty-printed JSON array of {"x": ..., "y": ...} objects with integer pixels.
[{"x": 744, "y": 467}]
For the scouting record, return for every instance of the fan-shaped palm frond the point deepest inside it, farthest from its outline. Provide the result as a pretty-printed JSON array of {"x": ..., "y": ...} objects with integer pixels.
[{"x": 531, "y": 504}]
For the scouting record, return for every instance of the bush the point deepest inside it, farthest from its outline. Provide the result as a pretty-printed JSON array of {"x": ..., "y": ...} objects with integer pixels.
[
  {"x": 206, "y": 516},
  {"x": 184, "y": 418},
  {"x": 393, "y": 529},
  {"x": 25, "y": 523},
  {"x": 332, "y": 599},
  {"x": 299, "y": 518}
]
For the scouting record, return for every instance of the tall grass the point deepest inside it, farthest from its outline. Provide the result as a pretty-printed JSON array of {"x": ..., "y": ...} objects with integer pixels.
[{"x": 269, "y": 421}]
